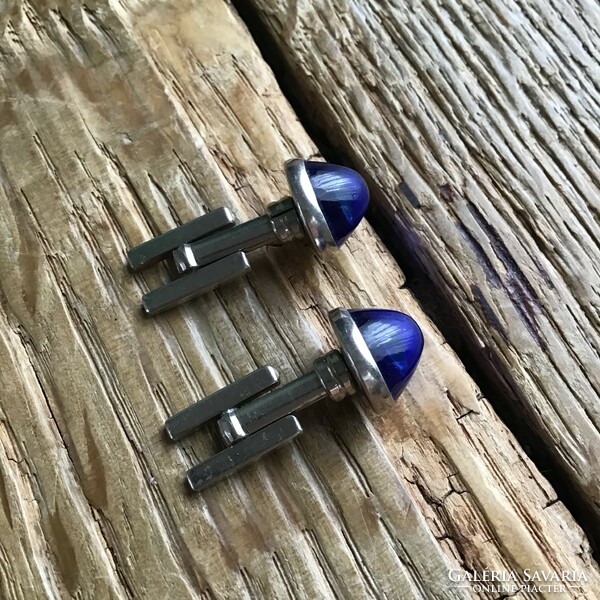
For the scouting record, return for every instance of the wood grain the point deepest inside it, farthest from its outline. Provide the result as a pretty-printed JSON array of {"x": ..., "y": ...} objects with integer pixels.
[
  {"x": 478, "y": 125},
  {"x": 118, "y": 121}
]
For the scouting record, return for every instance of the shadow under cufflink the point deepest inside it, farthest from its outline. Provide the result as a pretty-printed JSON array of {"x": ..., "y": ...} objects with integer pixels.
[
  {"x": 327, "y": 204},
  {"x": 379, "y": 352}
]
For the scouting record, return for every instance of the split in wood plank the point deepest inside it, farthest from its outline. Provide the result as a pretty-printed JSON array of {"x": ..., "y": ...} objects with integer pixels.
[{"x": 477, "y": 123}]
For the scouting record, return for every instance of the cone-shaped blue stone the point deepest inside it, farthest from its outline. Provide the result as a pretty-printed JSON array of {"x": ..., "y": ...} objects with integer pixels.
[
  {"x": 342, "y": 195},
  {"x": 395, "y": 341}
]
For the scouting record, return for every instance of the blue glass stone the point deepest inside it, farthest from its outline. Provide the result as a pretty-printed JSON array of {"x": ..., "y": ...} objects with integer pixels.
[
  {"x": 342, "y": 195},
  {"x": 395, "y": 341}
]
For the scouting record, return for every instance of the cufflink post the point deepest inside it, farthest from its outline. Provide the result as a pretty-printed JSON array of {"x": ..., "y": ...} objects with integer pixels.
[
  {"x": 279, "y": 225},
  {"x": 379, "y": 351},
  {"x": 330, "y": 378},
  {"x": 326, "y": 205}
]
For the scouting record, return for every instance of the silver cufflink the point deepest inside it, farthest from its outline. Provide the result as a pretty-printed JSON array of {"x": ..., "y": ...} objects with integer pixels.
[
  {"x": 327, "y": 203},
  {"x": 379, "y": 351}
]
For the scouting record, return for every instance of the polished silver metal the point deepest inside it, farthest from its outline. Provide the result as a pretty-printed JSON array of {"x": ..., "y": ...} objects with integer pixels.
[
  {"x": 230, "y": 428},
  {"x": 209, "y": 250},
  {"x": 308, "y": 208},
  {"x": 330, "y": 378},
  {"x": 254, "y": 416},
  {"x": 242, "y": 390},
  {"x": 279, "y": 225},
  {"x": 153, "y": 251},
  {"x": 243, "y": 453},
  {"x": 195, "y": 284},
  {"x": 360, "y": 360}
]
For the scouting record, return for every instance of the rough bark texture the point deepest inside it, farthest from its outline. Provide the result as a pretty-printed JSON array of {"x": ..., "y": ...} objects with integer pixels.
[
  {"x": 477, "y": 122},
  {"x": 117, "y": 122}
]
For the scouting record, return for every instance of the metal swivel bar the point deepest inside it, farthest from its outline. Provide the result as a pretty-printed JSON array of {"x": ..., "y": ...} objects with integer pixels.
[
  {"x": 242, "y": 390},
  {"x": 244, "y": 453},
  {"x": 153, "y": 251},
  {"x": 210, "y": 251},
  {"x": 255, "y": 421},
  {"x": 195, "y": 283}
]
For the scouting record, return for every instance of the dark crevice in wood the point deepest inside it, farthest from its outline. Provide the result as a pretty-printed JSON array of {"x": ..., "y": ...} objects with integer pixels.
[{"x": 431, "y": 296}]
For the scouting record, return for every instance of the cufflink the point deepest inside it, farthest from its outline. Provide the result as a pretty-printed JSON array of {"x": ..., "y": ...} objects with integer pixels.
[
  {"x": 327, "y": 203},
  {"x": 379, "y": 352}
]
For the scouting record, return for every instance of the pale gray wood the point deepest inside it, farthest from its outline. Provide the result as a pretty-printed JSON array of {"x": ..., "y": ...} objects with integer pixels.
[
  {"x": 119, "y": 120},
  {"x": 478, "y": 124}
]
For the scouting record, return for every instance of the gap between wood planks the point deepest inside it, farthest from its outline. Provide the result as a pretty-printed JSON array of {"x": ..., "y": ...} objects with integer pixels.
[{"x": 424, "y": 290}]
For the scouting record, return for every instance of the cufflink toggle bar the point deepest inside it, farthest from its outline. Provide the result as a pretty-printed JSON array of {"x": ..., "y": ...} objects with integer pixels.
[
  {"x": 379, "y": 351},
  {"x": 327, "y": 203}
]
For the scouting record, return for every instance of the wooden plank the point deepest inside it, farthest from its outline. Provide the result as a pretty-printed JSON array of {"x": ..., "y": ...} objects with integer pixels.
[
  {"x": 119, "y": 121},
  {"x": 477, "y": 124}
]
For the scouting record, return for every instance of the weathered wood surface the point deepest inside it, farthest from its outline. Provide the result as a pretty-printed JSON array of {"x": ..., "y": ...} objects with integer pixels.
[
  {"x": 478, "y": 122},
  {"x": 118, "y": 121}
]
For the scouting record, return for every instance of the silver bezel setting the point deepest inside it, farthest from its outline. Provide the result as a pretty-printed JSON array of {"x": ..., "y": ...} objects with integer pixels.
[
  {"x": 308, "y": 208},
  {"x": 360, "y": 360}
]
